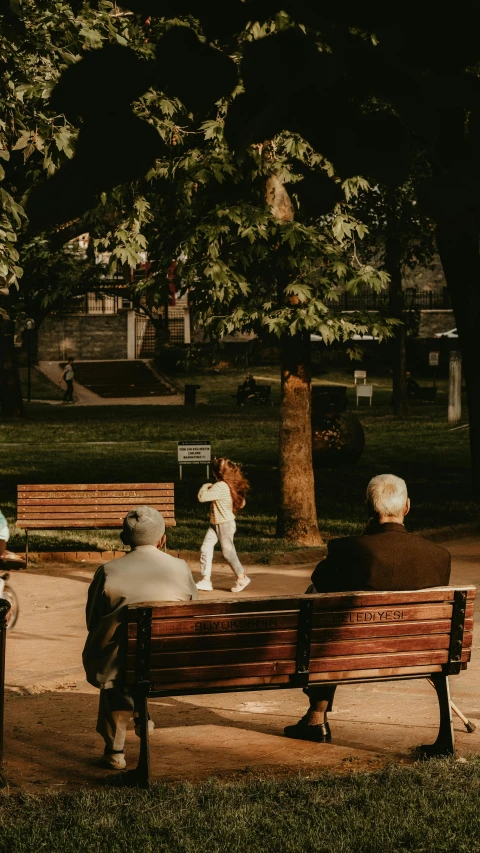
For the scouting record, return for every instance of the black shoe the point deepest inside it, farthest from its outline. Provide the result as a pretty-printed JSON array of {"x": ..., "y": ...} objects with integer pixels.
[{"x": 303, "y": 731}]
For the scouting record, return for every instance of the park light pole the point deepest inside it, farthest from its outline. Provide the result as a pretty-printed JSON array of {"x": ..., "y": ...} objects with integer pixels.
[
  {"x": 455, "y": 388},
  {"x": 29, "y": 325}
]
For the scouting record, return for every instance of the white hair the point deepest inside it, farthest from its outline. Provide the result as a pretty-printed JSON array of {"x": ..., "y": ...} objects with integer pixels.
[{"x": 387, "y": 495}]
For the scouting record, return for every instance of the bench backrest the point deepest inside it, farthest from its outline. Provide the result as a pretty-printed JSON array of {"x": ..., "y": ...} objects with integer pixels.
[
  {"x": 214, "y": 646},
  {"x": 88, "y": 506}
]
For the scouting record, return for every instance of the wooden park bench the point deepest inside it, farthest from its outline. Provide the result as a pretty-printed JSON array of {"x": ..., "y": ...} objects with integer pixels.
[
  {"x": 276, "y": 642},
  {"x": 88, "y": 506},
  {"x": 260, "y": 396},
  {"x": 425, "y": 394}
]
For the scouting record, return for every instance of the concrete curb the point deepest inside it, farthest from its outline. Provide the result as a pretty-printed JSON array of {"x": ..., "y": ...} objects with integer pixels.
[{"x": 283, "y": 558}]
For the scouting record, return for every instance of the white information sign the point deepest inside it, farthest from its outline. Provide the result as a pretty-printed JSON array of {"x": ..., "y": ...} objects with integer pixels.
[
  {"x": 360, "y": 374},
  {"x": 194, "y": 453},
  {"x": 433, "y": 359}
]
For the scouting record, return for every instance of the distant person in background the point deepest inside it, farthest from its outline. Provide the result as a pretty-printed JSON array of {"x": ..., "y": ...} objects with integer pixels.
[
  {"x": 247, "y": 389},
  {"x": 250, "y": 385},
  {"x": 68, "y": 377},
  {"x": 412, "y": 385},
  {"x": 226, "y": 497}
]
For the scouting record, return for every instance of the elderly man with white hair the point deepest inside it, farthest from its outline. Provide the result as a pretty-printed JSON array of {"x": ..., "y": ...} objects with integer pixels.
[
  {"x": 385, "y": 557},
  {"x": 144, "y": 574}
]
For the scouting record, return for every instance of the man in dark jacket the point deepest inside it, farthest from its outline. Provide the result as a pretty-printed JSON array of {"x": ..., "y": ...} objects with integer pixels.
[{"x": 386, "y": 557}]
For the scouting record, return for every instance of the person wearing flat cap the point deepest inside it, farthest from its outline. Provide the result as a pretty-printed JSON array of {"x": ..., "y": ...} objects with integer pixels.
[{"x": 144, "y": 574}]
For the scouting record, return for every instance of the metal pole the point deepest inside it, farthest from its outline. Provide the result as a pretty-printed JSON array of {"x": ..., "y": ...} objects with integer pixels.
[
  {"x": 29, "y": 364},
  {"x": 180, "y": 472},
  {"x": 208, "y": 471},
  {"x": 4, "y": 608},
  {"x": 455, "y": 388}
]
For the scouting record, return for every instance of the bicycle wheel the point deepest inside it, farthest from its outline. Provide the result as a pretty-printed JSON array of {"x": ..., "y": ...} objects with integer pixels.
[{"x": 11, "y": 596}]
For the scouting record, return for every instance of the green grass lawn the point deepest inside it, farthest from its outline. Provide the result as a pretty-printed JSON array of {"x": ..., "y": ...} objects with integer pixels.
[
  {"x": 71, "y": 444},
  {"x": 426, "y": 808}
]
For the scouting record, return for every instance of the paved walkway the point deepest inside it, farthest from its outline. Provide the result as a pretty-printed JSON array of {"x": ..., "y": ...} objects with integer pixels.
[
  {"x": 51, "y": 710},
  {"x": 85, "y": 397}
]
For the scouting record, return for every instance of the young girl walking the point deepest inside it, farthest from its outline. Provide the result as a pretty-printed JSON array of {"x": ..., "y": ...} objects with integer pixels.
[{"x": 227, "y": 496}]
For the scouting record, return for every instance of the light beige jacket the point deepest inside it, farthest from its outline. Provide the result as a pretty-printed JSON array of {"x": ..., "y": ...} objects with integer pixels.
[
  {"x": 144, "y": 575},
  {"x": 221, "y": 507}
]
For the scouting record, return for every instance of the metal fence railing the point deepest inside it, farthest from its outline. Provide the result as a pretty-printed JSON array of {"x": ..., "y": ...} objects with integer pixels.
[{"x": 413, "y": 300}]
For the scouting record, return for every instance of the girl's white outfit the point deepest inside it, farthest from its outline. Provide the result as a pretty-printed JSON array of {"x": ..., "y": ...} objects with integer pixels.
[{"x": 222, "y": 528}]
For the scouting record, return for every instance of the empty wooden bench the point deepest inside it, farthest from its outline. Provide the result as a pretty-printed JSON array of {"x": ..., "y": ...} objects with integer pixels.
[
  {"x": 88, "y": 506},
  {"x": 273, "y": 643}
]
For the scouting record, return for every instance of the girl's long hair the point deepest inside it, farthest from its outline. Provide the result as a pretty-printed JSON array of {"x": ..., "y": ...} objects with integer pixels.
[{"x": 231, "y": 474}]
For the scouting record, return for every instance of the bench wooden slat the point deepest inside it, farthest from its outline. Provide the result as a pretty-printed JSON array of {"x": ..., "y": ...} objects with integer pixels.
[
  {"x": 135, "y": 498},
  {"x": 374, "y": 661},
  {"x": 84, "y": 524},
  {"x": 257, "y": 682},
  {"x": 196, "y": 642},
  {"x": 326, "y": 601},
  {"x": 72, "y": 512},
  {"x": 253, "y": 682},
  {"x": 27, "y": 503},
  {"x": 161, "y": 659},
  {"x": 174, "y": 642},
  {"x": 87, "y": 487},
  {"x": 386, "y": 673},
  {"x": 204, "y": 675},
  {"x": 187, "y": 631},
  {"x": 247, "y": 619}
]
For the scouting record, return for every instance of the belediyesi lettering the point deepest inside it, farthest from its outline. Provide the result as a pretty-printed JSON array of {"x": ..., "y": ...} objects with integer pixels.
[{"x": 368, "y": 616}]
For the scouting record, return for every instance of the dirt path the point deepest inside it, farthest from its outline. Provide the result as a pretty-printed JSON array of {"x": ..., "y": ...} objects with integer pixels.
[{"x": 50, "y": 739}]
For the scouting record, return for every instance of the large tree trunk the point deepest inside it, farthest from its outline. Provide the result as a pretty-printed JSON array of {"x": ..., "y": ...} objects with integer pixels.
[
  {"x": 11, "y": 402},
  {"x": 297, "y": 513},
  {"x": 459, "y": 252},
  {"x": 399, "y": 345}
]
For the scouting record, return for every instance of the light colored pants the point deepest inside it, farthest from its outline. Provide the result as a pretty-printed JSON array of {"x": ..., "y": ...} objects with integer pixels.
[
  {"x": 115, "y": 710},
  {"x": 224, "y": 534}
]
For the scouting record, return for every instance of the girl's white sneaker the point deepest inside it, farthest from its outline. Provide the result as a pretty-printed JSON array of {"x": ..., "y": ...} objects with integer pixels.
[
  {"x": 205, "y": 585},
  {"x": 114, "y": 760},
  {"x": 241, "y": 584}
]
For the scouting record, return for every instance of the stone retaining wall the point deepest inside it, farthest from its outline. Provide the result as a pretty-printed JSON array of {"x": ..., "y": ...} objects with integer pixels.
[{"x": 87, "y": 337}]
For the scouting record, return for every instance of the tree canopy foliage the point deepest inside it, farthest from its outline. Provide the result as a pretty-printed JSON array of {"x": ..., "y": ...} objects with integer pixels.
[{"x": 132, "y": 162}]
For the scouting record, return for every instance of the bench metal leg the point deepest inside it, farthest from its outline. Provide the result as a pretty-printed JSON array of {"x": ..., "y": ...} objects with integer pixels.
[
  {"x": 142, "y": 771},
  {"x": 445, "y": 742}
]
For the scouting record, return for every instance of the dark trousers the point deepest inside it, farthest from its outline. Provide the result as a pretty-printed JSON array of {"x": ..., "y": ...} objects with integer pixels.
[
  {"x": 322, "y": 693},
  {"x": 68, "y": 396}
]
